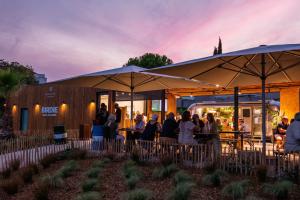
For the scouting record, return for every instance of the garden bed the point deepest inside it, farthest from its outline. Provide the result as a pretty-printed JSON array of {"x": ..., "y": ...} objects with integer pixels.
[{"x": 112, "y": 182}]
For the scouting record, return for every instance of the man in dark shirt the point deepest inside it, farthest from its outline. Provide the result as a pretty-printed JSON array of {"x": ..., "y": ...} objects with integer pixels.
[
  {"x": 118, "y": 113},
  {"x": 170, "y": 127},
  {"x": 281, "y": 132}
]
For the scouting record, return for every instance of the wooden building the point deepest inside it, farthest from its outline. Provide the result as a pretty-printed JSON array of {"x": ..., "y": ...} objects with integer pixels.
[{"x": 37, "y": 109}]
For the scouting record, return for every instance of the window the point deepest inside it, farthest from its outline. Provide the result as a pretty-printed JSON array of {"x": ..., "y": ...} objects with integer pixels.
[{"x": 24, "y": 119}]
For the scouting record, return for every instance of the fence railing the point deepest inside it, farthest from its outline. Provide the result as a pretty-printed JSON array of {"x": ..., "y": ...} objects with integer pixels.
[{"x": 243, "y": 162}]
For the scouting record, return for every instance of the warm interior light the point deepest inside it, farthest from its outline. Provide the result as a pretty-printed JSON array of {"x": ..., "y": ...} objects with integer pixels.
[
  {"x": 14, "y": 108},
  {"x": 37, "y": 108},
  {"x": 4, "y": 105},
  {"x": 239, "y": 93},
  {"x": 217, "y": 85}
]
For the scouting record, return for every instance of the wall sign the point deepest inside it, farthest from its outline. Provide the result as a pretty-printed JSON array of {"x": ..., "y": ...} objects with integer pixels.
[
  {"x": 50, "y": 93},
  {"x": 49, "y": 111}
]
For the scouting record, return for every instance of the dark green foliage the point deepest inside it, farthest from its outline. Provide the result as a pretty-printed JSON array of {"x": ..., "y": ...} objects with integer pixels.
[
  {"x": 130, "y": 169},
  {"x": 34, "y": 167},
  {"x": 54, "y": 181},
  {"x": 135, "y": 156},
  {"x": 27, "y": 174},
  {"x": 41, "y": 192},
  {"x": 210, "y": 168},
  {"x": 236, "y": 190},
  {"x": 215, "y": 178},
  {"x": 6, "y": 173},
  {"x": 15, "y": 164},
  {"x": 164, "y": 172},
  {"x": 89, "y": 196},
  {"x": 101, "y": 163},
  {"x": 93, "y": 172},
  {"x": 182, "y": 177},
  {"x": 280, "y": 189},
  {"x": 182, "y": 191},
  {"x": 10, "y": 186},
  {"x": 67, "y": 169},
  {"x": 166, "y": 160},
  {"x": 132, "y": 181},
  {"x": 47, "y": 160},
  {"x": 138, "y": 194},
  {"x": 89, "y": 185},
  {"x": 149, "y": 60},
  {"x": 76, "y": 154},
  {"x": 261, "y": 173}
]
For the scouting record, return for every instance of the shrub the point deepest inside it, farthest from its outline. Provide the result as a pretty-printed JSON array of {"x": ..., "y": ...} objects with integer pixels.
[
  {"x": 6, "y": 173},
  {"x": 76, "y": 154},
  {"x": 280, "y": 189},
  {"x": 166, "y": 160},
  {"x": 52, "y": 181},
  {"x": 182, "y": 191},
  {"x": 89, "y": 185},
  {"x": 48, "y": 160},
  {"x": 210, "y": 168},
  {"x": 41, "y": 192},
  {"x": 214, "y": 179},
  {"x": 109, "y": 156},
  {"x": 27, "y": 174},
  {"x": 15, "y": 164},
  {"x": 67, "y": 170},
  {"x": 138, "y": 194},
  {"x": 261, "y": 173},
  {"x": 135, "y": 156},
  {"x": 130, "y": 169},
  {"x": 236, "y": 190},
  {"x": 89, "y": 196},
  {"x": 101, "y": 163},
  {"x": 181, "y": 177},
  {"x": 132, "y": 181},
  {"x": 164, "y": 172},
  {"x": 10, "y": 186},
  {"x": 93, "y": 172},
  {"x": 35, "y": 168}
]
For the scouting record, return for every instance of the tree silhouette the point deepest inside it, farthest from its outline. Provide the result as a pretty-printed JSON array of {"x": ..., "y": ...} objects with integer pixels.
[
  {"x": 149, "y": 60},
  {"x": 220, "y": 46}
]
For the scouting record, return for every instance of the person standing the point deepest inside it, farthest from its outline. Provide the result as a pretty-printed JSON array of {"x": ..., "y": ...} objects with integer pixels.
[
  {"x": 112, "y": 126},
  {"x": 151, "y": 128},
  {"x": 186, "y": 129},
  {"x": 281, "y": 132},
  {"x": 170, "y": 127},
  {"x": 139, "y": 127},
  {"x": 212, "y": 127},
  {"x": 292, "y": 143},
  {"x": 118, "y": 113},
  {"x": 198, "y": 122}
]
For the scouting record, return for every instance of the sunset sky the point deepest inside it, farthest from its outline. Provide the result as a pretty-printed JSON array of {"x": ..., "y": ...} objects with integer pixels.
[{"x": 62, "y": 38}]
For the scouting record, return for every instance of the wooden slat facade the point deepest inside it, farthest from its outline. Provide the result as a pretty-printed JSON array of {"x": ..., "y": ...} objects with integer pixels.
[{"x": 75, "y": 106}]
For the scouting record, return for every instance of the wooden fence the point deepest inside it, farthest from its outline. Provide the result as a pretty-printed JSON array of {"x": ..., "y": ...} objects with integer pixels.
[{"x": 244, "y": 162}]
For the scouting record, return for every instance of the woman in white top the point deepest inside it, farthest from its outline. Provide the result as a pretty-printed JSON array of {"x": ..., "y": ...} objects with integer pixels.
[{"x": 187, "y": 128}]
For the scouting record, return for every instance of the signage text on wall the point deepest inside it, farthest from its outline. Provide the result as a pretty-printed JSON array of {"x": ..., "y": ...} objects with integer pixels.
[{"x": 49, "y": 111}]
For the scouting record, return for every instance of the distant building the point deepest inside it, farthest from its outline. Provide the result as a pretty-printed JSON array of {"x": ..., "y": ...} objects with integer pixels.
[{"x": 40, "y": 78}]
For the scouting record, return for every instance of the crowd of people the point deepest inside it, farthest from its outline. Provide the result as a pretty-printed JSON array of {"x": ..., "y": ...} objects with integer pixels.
[
  {"x": 186, "y": 129},
  {"x": 105, "y": 125}
]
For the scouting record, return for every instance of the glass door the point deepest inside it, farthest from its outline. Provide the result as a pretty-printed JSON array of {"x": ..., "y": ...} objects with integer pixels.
[{"x": 24, "y": 119}]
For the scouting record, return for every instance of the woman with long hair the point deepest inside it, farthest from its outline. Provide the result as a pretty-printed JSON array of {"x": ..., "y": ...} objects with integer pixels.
[
  {"x": 212, "y": 127},
  {"x": 187, "y": 129}
]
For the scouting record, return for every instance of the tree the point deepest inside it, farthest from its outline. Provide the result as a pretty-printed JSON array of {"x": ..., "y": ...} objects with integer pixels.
[
  {"x": 215, "y": 51},
  {"x": 220, "y": 46},
  {"x": 149, "y": 60},
  {"x": 218, "y": 50},
  {"x": 12, "y": 76}
]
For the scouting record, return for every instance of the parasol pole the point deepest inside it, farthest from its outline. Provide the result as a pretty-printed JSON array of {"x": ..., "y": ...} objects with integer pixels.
[{"x": 263, "y": 98}]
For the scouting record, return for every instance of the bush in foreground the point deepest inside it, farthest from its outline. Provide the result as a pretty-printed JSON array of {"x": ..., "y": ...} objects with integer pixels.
[
  {"x": 67, "y": 169},
  {"x": 164, "y": 172},
  {"x": 181, "y": 177},
  {"x": 47, "y": 160},
  {"x": 10, "y": 186},
  {"x": 132, "y": 181},
  {"x": 93, "y": 172},
  {"x": 89, "y": 196},
  {"x": 89, "y": 185},
  {"x": 41, "y": 192},
  {"x": 6, "y": 173},
  {"x": 236, "y": 190},
  {"x": 52, "y": 181},
  {"x": 15, "y": 164},
  {"x": 35, "y": 168},
  {"x": 138, "y": 194},
  {"x": 279, "y": 190},
  {"x": 182, "y": 191},
  {"x": 215, "y": 178},
  {"x": 27, "y": 174}
]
